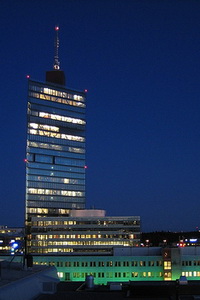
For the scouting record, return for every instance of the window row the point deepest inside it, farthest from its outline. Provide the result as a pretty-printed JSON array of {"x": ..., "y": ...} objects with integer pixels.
[
  {"x": 69, "y": 204},
  {"x": 44, "y": 127},
  {"x": 68, "y": 154},
  {"x": 49, "y": 91},
  {"x": 55, "y": 160},
  {"x": 58, "y": 117},
  {"x": 55, "y": 147},
  {"x": 191, "y": 274},
  {"x": 73, "y": 236},
  {"x": 52, "y": 140},
  {"x": 51, "y": 201},
  {"x": 105, "y": 264},
  {"x": 54, "y": 168},
  {"x": 55, "y": 109},
  {"x": 57, "y": 135},
  {"x": 55, "y": 174},
  {"x": 47, "y": 211},
  {"x": 110, "y": 274},
  {"x": 55, "y": 180},
  {"x": 89, "y": 223},
  {"x": 55, "y": 186},
  {"x": 49, "y": 106},
  {"x": 117, "y": 274},
  {"x": 191, "y": 263},
  {"x": 56, "y": 192},
  {"x": 79, "y": 243},
  {"x": 56, "y": 129},
  {"x": 56, "y": 99}
]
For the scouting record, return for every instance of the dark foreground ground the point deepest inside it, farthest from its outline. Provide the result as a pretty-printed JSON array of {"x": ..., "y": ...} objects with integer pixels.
[{"x": 132, "y": 290}]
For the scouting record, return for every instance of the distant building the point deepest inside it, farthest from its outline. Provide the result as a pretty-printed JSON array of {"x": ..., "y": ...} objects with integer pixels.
[{"x": 11, "y": 239}]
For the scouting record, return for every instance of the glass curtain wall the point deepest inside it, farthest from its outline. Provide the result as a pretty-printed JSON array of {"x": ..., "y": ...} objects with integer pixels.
[{"x": 55, "y": 162}]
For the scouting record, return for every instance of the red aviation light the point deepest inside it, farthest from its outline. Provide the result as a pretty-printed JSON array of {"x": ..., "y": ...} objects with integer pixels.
[
  {"x": 56, "y": 28},
  {"x": 85, "y": 167},
  {"x": 85, "y": 90},
  {"x": 27, "y": 76}
]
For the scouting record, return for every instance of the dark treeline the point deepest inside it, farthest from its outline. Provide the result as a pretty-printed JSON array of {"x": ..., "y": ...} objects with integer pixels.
[{"x": 157, "y": 238}]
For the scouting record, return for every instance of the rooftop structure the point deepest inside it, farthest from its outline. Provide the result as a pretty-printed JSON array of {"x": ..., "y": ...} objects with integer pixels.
[{"x": 26, "y": 284}]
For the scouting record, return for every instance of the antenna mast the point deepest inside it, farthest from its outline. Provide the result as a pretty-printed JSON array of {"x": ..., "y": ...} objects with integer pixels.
[{"x": 56, "y": 64}]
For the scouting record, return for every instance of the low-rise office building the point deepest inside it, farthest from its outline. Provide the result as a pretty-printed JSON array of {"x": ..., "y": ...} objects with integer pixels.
[
  {"x": 84, "y": 232},
  {"x": 126, "y": 264},
  {"x": 129, "y": 264}
]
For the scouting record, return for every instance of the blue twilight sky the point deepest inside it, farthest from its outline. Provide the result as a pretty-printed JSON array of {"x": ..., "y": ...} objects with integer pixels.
[{"x": 140, "y": 61}]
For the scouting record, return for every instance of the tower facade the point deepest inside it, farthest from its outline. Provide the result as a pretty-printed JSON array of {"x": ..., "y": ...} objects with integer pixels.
[
  {"x": 55, "y": 169},
  {"x": 55, "y": 162}
]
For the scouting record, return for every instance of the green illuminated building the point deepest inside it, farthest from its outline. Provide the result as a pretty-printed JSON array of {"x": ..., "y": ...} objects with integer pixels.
[{"x": 126, "y": 264}]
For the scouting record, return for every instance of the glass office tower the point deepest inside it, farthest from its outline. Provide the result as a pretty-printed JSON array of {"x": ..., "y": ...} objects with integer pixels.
[{"x": 55, "y": 162}]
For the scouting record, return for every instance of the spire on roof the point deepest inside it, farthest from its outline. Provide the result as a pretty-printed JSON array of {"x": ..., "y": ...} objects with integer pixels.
[
  {"x": 56, "y": 64},
  {"x": 56, "y": 75}
]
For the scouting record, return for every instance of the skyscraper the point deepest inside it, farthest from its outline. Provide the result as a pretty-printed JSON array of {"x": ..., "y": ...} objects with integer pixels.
[
  {"x": 56, "y": 219},
  {"x": 55, "y": 162}
]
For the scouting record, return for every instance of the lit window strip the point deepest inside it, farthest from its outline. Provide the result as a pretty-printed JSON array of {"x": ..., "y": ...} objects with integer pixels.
[
  {"x": 55, "y": 179},
  {"x": 56, "y": 93},
  {"x": 56, "y": 135},
  {"x": 61, "y": 118},
  {"x": 62, "y": 94},
  {"x": 55, "y": 192},
  {"x": 45, "y": 127},
  {"x": 55, "y": 99},
  {"x": 55, "y": 147}
]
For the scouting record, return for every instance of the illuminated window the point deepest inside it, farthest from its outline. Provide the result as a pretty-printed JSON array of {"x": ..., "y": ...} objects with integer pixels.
[
  {"x": 76, "y": 150},
  {"x": 142, "y": 263},
  {"x": 46, "y": 146},
  {"x": 167, "y": 275},
  {"x": 45, "y": 127},
  {"x": 167, "y": 265},
  {"x": 134, "y": 274}
]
